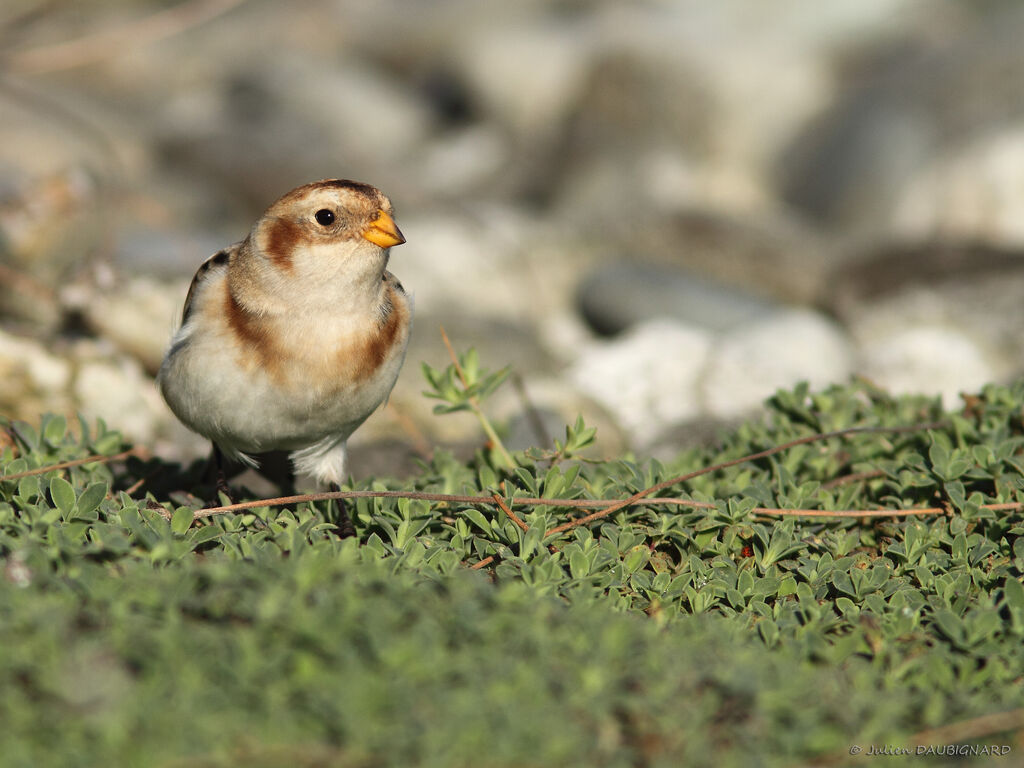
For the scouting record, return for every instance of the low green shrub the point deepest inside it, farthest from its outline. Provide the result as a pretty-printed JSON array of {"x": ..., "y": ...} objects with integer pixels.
[{"x": 134, "y": 633}]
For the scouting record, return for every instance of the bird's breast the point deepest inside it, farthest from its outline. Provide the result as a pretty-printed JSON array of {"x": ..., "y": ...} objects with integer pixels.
[{"x": 324, "y": 355}]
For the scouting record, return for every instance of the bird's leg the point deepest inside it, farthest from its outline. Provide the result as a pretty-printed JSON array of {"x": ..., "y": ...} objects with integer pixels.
[
  {"x": 220, "y": 478},
  {"x": 344, "y": 524}
]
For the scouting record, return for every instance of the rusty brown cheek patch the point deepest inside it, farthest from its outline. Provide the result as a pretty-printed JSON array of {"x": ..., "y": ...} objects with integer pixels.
[{"x": 283, "y": 236}]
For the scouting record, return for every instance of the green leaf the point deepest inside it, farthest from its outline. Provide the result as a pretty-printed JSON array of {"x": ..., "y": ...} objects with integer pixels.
[
  {"x": 769, "y": 632},
  {"x": 28, "y": 487},
  {"x": 950, "y": 625},
  {"x": 1013, "y": 593},
  {"x": 54, "y": 429},
  {"x": 91, "y": 497},
  {"x": 579, "y": 564},
  {"x": 63, "y": 494},
  {"x": 787, "y": 587},
  {"x": 182, "y": 519},
  {"x": 107, "y": 443},
  {"x": 844, "y": 584},
  {"x": 476, "y": 517}
]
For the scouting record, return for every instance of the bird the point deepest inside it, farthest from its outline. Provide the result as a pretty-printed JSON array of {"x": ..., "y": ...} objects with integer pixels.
[{"x": 291, "y": 338}]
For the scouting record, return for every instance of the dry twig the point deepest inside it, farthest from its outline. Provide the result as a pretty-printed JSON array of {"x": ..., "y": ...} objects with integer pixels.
[
  {"x": 97, "y": 459},
  {"x": 975, "y": 728},
  {"x": 742, "y": 459},
  {"x": 511, "y": 515},
  {"x": 605, "y": 507}
]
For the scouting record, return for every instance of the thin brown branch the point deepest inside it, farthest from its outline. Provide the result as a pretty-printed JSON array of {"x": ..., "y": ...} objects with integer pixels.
[
  {"x": 448, "y": 498},
  {"x": 606, "y": 507},
  {"x": 482, "y": 564},
  {"x": 849, "y": 512},
  {"x": 511, "y": 515},
  {"x": 723, "y": 465},
  {"x": 97, "y": 459},
  {"x": 111, "y": 41},
  {"x": 975, "y": 728},
  {"x": 602, "y": 504},
  {"x": 135, "y": 486}
]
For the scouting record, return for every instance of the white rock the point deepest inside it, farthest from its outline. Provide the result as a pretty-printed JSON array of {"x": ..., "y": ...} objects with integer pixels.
[
  {"x": 47, "y": 372},
  {"x": 31, "y": 379},
  {"x": 647, "y": 378},
  {"x": 118, "y": 391},
  {"x": 747, "y": 365},
  {"x": 930, "y": 359},
  {"x": 945, "y": 338},
  {"x": 139, "y": 316},
  {"x": 973, "y": 194}
]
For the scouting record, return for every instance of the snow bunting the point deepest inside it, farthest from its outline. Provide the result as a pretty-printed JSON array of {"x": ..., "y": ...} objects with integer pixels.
[{"x": 292, "y": 337}]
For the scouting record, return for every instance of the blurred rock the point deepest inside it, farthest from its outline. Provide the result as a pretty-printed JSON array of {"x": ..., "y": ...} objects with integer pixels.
[
  {"x": 536, "y": 409},
  {"x": 619, "y": 296},
  {"x": 139, "y": 316},
  {"x": 954, "y": 327},
  {"x": 768, "y": 258},
  {"x": 482, "y": 263},
  {"x": 462, "y": 161},
  {"x": 48, "y": 226},
  {"x": 749, "y": 363},
  {"x": 976, "y": 288},
  {"x": 977, "y": 273},
  {"x": 170, "y": 253},
  {"x": 932, "y": 359},
  {"x": 973, "y": 194},
  {"x": 913, "y": 108},
  {"x": 648, "y": 377},
  {"x": 116, "y": 389},
  {"x": 529, "y": 77},
  {"x": 362, "y": 124},
  {"x": 33, "y": 380},
  {"x": 682, "y": 174}
]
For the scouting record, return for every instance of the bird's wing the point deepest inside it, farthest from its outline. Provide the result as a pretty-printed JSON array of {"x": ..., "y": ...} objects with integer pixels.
[{"x": 219, "y": 259}]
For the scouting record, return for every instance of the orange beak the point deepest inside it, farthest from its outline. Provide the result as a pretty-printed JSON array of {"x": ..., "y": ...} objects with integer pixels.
[{"x": 383, "y": 231}]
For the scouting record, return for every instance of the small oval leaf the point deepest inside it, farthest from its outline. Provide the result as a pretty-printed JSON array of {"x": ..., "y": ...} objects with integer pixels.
[
  {"x": 182, "y": 520},
  {"x": 91, "y": 497},
  {"x": 63, "y": 494}
]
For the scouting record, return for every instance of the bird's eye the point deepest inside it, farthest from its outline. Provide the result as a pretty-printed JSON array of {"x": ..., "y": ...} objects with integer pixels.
[{"x": 324, "y": 217}]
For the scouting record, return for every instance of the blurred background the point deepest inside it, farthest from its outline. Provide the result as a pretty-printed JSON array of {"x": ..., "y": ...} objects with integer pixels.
[{"x": 656, "y": 212}]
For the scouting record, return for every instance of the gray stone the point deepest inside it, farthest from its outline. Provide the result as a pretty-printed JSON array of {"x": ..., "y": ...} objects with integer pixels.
[
  {"x": 619, "y": 296},
  {"x": 908, "y": 112}
]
